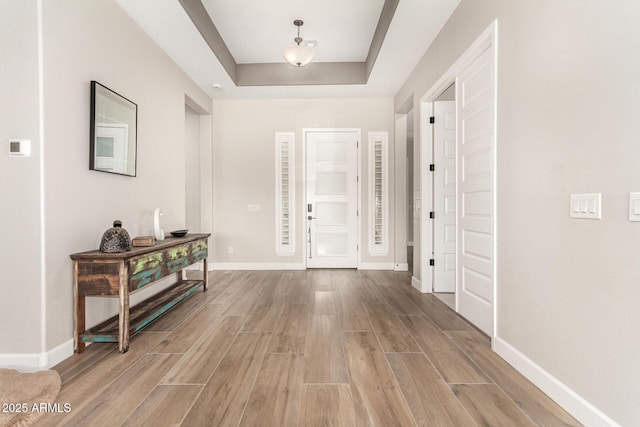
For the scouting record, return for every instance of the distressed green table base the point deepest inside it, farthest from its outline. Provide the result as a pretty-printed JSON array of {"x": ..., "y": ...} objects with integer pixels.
[
  {"x": 144, "y": 313},
  {"x": 119, "y": 274}
]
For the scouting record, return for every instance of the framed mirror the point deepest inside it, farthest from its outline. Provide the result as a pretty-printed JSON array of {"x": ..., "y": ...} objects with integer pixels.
[{"x": 113, "y": 141}]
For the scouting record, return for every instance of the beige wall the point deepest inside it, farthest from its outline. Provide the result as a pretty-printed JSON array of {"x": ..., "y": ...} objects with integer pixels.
[
  {"x": 80, "y": 45},
  {"x": 81, "y": 204},
  {"x": 21, "y": 240},
  {"x": 244, "y": 169},
  {"x": 568, "y": 294}
]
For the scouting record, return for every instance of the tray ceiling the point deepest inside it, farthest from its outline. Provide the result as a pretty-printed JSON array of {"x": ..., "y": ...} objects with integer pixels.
[{"x": 254, "y": 34}]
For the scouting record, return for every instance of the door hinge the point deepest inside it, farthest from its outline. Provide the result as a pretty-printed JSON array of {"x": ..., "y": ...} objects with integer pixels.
[
  {"x": 357, "y": 179},
  {"x": 432, "y": 167},
  {"x": 357, "y": 247},
  {"x": 432, "y": 120},
  {"x": 357, "y": 144},
  {"x": 432, "y": 214},
  {"x": 432, "y": 261},
  {"x": 357, "y": 213}
]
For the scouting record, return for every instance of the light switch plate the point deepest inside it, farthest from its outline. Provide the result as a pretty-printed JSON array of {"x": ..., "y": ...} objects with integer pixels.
[
  {"x": 253, "y": 208},
  {"x": 587, "y": 206},
  {"x": 634, "y": 206}
]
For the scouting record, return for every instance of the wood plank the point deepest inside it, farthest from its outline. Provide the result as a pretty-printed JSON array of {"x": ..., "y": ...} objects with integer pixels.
[
  {"x": 357, "y": 284},
  {"x": 399, "y": 302},
  {"x": 327, "y": 405},
  {"x": 537, "y": 405},
  {"x": 244, "y": 303},
  {"x": 293, "y": 287},
  {"x": 263, "y": 317},
  {"x": 198, "y": 364},
  {"x": 447, "y": 358},
  {"x": 489, "y": 406},
  {"x": 289, "y": 330},
  {"x": 206, "y": 318},
  {"x": 324, "y": 303},
  {"x": 179, "y": 314},
  {"x": 392, "y": 334},
  {"x": 98, "y": 277},
  {"x": 223, "y": 399},
  {"x": 116, "y": 402},
  {"x": 137, "y": 251},
  {"x": 319, "y": 280},
  {"x": 275, "y": 399},
  {"x": 78, "y": 363},
  {"x": 323, "y": 352},
  {"x": 227, "y": 291},
  {"x": 167, "y": 405},
  {"x": 376, "y": 395},
  {"x": 352, "y": 315},
  {"x": 441, "y": 314},
  {"x": 430, "y": 399},
  {"x": 82, "y": 388}
]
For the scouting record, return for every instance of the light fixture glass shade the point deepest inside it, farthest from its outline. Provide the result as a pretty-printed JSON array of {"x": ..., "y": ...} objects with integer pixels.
[{"x": 298, "y": 55}]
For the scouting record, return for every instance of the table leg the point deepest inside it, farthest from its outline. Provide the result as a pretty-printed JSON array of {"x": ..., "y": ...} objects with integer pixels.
[
  {"x": 205, "y": 266},
  {"x": 78, "y": 312},
  {"x": 123, "y": 310}
]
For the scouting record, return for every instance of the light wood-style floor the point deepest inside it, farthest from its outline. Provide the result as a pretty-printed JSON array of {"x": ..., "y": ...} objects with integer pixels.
[{"x": 308, "y": 348}]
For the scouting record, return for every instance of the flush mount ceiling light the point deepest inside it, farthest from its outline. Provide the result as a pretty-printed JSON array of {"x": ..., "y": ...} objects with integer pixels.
[{"x": 298, "y": 55}]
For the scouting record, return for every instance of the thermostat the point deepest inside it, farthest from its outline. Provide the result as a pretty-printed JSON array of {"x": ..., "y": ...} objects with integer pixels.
[{"x": 20, "y": 147}]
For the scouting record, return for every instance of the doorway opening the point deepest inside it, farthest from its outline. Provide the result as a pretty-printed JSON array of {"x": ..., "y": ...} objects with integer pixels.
[
  {"x": 444, "y": 199},
  {"x": 474, "y": 75},
  {"x": 410, "y": 189}
]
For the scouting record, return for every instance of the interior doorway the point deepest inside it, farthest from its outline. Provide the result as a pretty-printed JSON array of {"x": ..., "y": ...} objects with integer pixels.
[
  {"x": 474, "y": 75},
  {"x": 410, "y": 188},
  {"x": 444, "y": 196},
  {"x": 193, "y": 205}
]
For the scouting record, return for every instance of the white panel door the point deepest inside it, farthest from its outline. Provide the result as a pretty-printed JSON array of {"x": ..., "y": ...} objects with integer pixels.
[
  {"x": 444, "y": 196},
  {"x": 475, "y": 110},
  {"x": 332, "y": 199}
]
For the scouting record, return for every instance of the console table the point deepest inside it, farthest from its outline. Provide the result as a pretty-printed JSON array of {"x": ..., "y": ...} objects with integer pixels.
[{"x": 119, "y": 274}]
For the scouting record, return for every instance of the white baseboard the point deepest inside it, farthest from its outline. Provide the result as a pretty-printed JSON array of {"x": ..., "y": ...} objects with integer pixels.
[
  {"x": 375, "y": 266},
  {"x": 401, "y": 267},
  {"x": 60, "y": 353},
  {"x": 199, "y": 266},
  {"x": 257, "y": 266},
  {"x": 571, "y": 401},
  {"x": 416, "y": 283},
  {"x": 32, "y": 362}
]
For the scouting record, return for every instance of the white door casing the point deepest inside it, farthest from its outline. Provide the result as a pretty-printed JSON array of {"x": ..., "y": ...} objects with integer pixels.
[
  {"x": 476, "y": 152},
  {"x": 444, "y": 197},
  {"x": 331, "y": 223}
]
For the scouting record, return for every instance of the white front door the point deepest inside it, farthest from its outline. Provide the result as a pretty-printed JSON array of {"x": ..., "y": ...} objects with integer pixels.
[
  {"x": 332, "y": 199},
  {"x": 444, "y": 196},
  {"x": 475, "y": 166}
]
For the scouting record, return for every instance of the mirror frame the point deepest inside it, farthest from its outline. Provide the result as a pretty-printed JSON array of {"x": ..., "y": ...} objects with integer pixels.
[{"x": 132, "y": 129}]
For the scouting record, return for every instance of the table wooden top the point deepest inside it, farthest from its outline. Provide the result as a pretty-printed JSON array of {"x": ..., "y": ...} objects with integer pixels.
[{"x": 135, "y": 251}]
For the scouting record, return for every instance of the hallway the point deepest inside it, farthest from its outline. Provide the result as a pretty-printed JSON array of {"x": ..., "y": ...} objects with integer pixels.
[{"x": 315, "y": 347}]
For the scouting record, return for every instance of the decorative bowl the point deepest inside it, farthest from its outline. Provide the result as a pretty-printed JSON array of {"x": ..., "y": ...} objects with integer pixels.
[{"x": 179, "y": 233}]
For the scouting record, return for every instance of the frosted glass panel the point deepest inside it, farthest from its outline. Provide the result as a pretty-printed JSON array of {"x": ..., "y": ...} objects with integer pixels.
[
  {"x": 331, "y": 213},
  {"x": 331, "y": 151},
  {"x": 331, "y": 183},
  {"x": 331, "y": 244}
]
